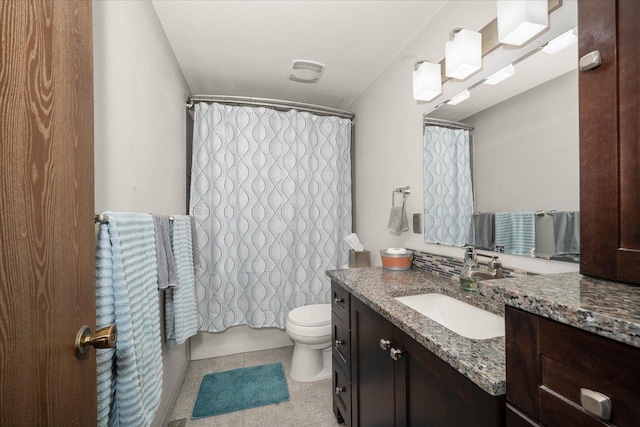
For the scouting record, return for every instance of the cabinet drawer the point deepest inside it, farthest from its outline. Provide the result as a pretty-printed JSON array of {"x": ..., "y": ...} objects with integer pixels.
[
  {"x": 341, "y": 392},
  {"x": 567, "y": 382},
  {"x": 341, "y": 342},
  {"x": 340, "y": 303},
  {"x": 603, "y": 365},
  {"x": 555, "y": 411}
]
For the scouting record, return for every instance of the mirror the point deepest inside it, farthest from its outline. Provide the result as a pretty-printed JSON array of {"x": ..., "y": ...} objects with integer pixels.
[{"x": 524, "y": 144}]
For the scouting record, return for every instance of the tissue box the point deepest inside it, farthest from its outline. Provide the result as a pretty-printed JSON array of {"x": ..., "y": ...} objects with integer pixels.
[{"x": 359, "y": 259}]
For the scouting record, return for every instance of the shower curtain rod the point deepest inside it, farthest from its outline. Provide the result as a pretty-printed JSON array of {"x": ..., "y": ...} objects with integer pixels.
[
  {"x": 446, "y": 124},
  {"x": 277, "y": 104}
]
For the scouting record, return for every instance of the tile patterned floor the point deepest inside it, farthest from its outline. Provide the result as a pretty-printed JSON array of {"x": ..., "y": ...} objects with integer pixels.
[{"x": 310, "y": 404}]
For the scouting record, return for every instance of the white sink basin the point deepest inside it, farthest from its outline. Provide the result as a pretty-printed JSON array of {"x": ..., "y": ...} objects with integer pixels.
[{"x": 460, "y": 317}]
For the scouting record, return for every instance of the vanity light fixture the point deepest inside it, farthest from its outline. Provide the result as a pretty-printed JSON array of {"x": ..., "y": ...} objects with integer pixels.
[
  {"x": 427, "y": 81},
  {"x": 561, "y": 42},
  {"x": 521, "y": 20},
  {"x": 500, "y": 75},
  {"x": 463, "y": 53},
  {"x": 462, "y": 96}
]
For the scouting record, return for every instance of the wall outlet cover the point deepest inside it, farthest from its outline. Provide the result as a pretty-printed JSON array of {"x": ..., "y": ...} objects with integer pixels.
[{"x": 417, "y": 223}]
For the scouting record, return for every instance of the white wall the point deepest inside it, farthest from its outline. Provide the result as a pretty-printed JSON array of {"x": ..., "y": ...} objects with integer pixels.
[
  {"x": 139, "y": 95},
  {"x": 389, "y": 135},
  {"x": 531, "y": 139}
]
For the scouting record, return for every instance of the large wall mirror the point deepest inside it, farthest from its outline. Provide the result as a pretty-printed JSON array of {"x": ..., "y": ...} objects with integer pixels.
[{"x": 524, "y": 148}]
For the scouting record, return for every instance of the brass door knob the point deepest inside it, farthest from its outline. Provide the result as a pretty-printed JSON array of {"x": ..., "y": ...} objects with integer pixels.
[{"x": 103, "y": 338}]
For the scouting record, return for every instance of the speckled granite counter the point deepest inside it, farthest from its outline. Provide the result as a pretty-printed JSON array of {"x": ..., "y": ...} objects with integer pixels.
[
  {"x": 482, "y": 361},
  {"x": 610, "y": 309}
]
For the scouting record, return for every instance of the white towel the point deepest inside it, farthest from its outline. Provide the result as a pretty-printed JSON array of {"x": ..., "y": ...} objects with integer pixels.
[
  {"x": 181, "y": 320},
  {"x": 398, "y": 222},
  {"x": 129, "y": 378}
]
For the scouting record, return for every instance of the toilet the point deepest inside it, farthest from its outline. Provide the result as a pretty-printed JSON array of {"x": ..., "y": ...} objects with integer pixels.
[{"x": 309, "y": 327}]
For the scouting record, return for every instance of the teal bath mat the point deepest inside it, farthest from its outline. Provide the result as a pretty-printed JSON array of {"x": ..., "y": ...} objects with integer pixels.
[{"x": 239, "y": 389}]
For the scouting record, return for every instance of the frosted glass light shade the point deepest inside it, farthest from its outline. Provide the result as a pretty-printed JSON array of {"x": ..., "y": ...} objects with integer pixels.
[
  {"x": 561, "y": 42},
  {"x": 463, "y": 54},
  {"x": 521, "y": 20},
  {"x": 462, "y": 96},
  {"x": 500, "y": 75},
  {"x": 427, "y": 81}
]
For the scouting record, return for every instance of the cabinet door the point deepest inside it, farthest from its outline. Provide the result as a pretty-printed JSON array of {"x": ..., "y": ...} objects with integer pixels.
[
  {"x": 429, "y": 392},
  {"x": 372, "y": 376},
  {"x": 609, "y": 135}
]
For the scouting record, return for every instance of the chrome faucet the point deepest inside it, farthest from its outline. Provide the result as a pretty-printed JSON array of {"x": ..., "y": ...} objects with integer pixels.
[{"x": 493, "y": 271}]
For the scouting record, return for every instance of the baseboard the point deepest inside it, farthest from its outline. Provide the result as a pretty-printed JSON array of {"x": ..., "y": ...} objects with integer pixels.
[{"x": 175, "y": 393}]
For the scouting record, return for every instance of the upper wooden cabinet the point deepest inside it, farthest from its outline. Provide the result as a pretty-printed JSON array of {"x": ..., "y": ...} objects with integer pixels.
[{"x": 610, "y": 141}]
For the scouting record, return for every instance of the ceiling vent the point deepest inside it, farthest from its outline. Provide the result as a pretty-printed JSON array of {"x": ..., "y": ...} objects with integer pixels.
[{"x": 306, "y": 71}]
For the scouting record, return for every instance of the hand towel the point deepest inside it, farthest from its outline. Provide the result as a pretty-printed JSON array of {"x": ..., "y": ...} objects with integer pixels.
[
  {"x": 484, "y": 225},
  {"x": 516, "y": 232},
  {"x": 398, "y": 222},
  {"x": 181, "y": 319},
  {"x": 167, "y": 275},
  {"x": 129, "y": 378},
  {"x": 566, "y": 229}
]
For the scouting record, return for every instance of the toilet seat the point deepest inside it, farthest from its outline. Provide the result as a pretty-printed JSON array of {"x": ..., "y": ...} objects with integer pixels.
[{"x": 311, "y": 315}]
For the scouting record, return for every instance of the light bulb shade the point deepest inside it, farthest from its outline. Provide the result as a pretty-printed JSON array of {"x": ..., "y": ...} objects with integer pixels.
[
  {"x": 500, "y": 75},
  {"x": 462, "y": 96},
  {"x": 521, "y": 20},
  {"x": 561, "y": 42},
  {"x": 463, "y": 54},
  {"x": 427, "y": 81}
]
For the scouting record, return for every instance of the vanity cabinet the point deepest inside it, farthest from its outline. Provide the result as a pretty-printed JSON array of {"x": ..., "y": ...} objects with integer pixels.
[
  {"x": 395, "y": 381},
  {"x": 609, "y": 105},
  {"x": 548, "y": 365}
]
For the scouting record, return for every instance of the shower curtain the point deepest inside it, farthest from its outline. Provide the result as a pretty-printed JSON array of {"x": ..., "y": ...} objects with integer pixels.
[
  {"x": 271, "y": 194},
  {"x": 448, "y": 192}
]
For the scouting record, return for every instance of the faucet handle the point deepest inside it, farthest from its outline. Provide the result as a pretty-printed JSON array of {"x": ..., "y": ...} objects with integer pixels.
[{"x": 495, "y": 263}]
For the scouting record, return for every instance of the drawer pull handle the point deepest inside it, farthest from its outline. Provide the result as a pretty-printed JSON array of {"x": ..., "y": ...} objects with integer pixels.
[
  {"x": 340, "y": 390},
  {"x": 385, "y": 344},
  {"x": 339, "y": 343},
  {"x": 338, "y": 300},
  {"x": 596, "y": 403}
]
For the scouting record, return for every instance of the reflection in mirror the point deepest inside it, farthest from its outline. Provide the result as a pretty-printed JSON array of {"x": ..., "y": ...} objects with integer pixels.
[{"x": 524, "y": 157}]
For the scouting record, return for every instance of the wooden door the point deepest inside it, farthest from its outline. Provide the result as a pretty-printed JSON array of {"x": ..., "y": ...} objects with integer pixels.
[
  {"x": 372, "y": 381},
  {"x": 46, "y": 218}
]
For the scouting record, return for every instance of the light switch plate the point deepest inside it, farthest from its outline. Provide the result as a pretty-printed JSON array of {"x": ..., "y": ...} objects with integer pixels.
[{"x": 417, "y": 223}]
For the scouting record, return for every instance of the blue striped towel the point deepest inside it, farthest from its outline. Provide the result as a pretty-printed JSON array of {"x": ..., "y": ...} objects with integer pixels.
[
  {"x": 129, "y": 377},
  {"x": 181, "y": 321},
  {"x": 516, "y": 231}
]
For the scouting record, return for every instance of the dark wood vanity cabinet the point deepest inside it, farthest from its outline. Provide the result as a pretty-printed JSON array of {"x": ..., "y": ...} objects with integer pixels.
[
  {"x": 548, "y": 363},
  {"x": 415, "y": 389},
  {"x": 609, "y": 98}
]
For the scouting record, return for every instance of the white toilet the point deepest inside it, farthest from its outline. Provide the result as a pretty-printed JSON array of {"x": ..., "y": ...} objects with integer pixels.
[{"x": 309, "y": 327}]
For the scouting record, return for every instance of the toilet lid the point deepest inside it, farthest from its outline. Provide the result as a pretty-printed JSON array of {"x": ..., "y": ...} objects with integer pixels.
[{"x": 311, "y": 315}]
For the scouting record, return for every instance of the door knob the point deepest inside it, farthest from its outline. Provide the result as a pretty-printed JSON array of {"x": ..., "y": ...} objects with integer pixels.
[
  {"x": 103, "y": 338},
  {"x": 385, "y": 344}
]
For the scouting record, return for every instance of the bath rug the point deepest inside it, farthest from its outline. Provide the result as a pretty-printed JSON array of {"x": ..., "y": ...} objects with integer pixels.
[{"x": 239, "y": 389}]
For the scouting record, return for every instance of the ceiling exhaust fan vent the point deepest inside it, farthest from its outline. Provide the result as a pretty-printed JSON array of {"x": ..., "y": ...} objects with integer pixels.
[{"x": 306, "y": 71}]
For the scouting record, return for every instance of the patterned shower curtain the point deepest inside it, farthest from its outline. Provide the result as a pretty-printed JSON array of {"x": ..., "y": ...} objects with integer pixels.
[
  {"x": 271, "y": 194},
  {"x": 448, "y": 192}
]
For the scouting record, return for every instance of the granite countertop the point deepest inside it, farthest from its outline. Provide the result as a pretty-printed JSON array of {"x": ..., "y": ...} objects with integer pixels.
[
  {"x": 606, "y": 308},
  {"x": 609, "y": 309},
  {"x": 482, "y": 361}
]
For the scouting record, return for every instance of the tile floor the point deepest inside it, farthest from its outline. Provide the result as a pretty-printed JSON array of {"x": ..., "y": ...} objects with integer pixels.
[{"x": 310, "y": 404}]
